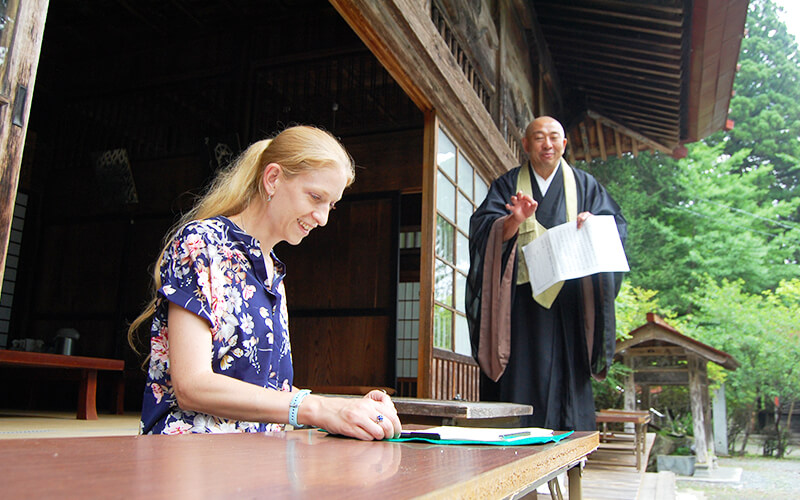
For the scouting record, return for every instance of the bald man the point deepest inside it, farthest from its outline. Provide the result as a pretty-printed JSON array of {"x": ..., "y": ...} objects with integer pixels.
[{"x": 540, "y": 350}]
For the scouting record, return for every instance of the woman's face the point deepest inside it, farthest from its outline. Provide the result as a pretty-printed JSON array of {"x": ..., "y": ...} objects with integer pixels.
[{"x": 303, "y": 202}]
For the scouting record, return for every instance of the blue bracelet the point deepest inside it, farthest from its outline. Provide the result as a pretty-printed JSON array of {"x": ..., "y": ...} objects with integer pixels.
[{"x": 293, "y": 406}]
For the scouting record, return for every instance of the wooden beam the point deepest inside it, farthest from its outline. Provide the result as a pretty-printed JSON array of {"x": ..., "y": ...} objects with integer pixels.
[
  {"x": 601, "y": 139},
  {"x": 402, "y": 37},
  {"x": 621, "y": 4},
  {"x": 549, "y": 75},
  {"x": 648, "y": 58},
  {"x": 676, "y": 378},
  {"x": 603, "y": 47},
  {"x": 587, "y": 155},
  {"x": 675, "y": 22},
  {"x": 624, "y": 83},
  {"x": 567, "y": 34},
  {"x": 662, "y": 369},
  {"x": 670, "y": 73},
  {"x": 696, "y": 389},
  {"x": 649, "y": 95},
  {"x": 673, "y": 34},
  {"x": 21, "y": 65},
  {"x": 630, "y": 133},
  {"x": 426, "y": 271},
  {"x": 659, "y": 351}
]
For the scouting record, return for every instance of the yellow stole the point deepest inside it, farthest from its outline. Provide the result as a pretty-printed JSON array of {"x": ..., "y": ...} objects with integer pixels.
[{"x": 531, "y": 229}]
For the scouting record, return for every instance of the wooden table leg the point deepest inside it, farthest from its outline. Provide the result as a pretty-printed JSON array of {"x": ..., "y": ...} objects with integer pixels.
[
  {"x": 121, "y": 394},
  {"x": 87, "y": 395},
  {"x": 574, "y": 478},
  {"x": 639, "y": 445}
]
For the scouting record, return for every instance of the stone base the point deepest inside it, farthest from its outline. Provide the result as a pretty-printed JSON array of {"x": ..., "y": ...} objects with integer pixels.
[{"x": 683, "y": 465}]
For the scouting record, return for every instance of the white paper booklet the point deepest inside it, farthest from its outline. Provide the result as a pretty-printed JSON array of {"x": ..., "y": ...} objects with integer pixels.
[
  {"x": 565, "y": 252},
  {"x": 486, "y": 434}
]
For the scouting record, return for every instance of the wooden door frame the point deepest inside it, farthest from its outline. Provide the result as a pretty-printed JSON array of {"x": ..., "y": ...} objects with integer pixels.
[{"x": 15, "y": 108}]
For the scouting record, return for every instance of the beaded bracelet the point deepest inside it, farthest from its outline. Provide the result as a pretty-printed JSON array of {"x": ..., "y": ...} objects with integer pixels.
[{"x": 293, "y": 406}]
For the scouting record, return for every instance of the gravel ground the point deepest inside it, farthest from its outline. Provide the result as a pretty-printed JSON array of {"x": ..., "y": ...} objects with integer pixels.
[{"x": 765, "y": 478}]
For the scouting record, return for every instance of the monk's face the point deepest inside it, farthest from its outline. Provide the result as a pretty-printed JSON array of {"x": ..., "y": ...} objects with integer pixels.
[{"x": 544, "y": 142}]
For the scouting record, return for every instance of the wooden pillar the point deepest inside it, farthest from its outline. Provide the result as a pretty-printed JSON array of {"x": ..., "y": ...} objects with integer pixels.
[
  {"x": 645, "y": 405},
  {"x": 630, "y": 385},
  {"x": 709, "y": 424},
  {"x": 630, "y": 390},
  {"x": 696, "y": 369}
]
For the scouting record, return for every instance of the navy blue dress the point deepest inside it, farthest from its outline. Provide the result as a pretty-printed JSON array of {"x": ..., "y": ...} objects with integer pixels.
[{"x": 217, "y": 271}]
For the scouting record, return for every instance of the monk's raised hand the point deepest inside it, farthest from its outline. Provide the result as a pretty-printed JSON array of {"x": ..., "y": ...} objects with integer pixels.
[{"x": 521, "y": 206}]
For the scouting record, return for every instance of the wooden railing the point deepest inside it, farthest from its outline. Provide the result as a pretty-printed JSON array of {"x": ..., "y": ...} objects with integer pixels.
[{"x": 454, "y": 376}]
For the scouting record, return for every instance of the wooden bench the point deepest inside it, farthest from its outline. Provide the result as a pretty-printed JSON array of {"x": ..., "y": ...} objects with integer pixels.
[
  {"x": 87, "y": 395},
  {"x": 639, "y": 419}
]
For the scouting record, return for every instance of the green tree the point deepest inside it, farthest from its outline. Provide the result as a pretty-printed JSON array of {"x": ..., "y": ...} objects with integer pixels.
[
  {"x": 762, "y": 332},
  {"x": 766, "y": 105}
]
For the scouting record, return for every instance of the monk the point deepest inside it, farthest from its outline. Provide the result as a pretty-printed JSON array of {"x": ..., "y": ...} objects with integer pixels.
[{"x": 542, "y": 350}]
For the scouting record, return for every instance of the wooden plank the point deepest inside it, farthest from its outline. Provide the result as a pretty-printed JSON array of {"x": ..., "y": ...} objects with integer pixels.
[
  {"x": 305, "y": 463},
  {"x": 459, "y": 409},
  {"x": 47, "y": 360}
]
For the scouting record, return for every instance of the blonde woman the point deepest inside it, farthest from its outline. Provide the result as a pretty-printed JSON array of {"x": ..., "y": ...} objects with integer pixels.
[{"x": 220, "y": 357}]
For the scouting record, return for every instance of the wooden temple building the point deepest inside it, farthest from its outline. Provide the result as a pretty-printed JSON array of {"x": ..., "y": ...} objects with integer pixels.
[{"x": 114, "y": 114}]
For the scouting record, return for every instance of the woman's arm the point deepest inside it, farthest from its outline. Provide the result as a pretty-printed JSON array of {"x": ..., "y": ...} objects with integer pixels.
[{"x": 198, "y": 388}]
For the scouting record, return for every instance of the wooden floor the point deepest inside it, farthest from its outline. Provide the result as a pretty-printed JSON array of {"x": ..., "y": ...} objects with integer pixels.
[
  {"x": 610, "y": 475},
  {"x": 16, "y": 424},
  {"x": 617, "y": 481}
]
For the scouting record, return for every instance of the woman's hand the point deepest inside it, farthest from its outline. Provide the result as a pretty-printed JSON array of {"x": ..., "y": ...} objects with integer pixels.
[{"x": 371, "y": 417}]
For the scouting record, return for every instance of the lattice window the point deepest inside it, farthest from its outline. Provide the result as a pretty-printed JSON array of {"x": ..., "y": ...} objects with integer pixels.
[
  {"x": 12, "y": 263},
  {"x": 462, "y": 58},
  {"x": 459, "y": 189}
]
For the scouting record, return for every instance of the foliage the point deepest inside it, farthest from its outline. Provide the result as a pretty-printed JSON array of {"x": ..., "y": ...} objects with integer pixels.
[{"x": 762, "y": 332}]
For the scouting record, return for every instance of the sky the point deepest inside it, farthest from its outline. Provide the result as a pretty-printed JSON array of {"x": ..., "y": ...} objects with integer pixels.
[{"x": 791, "y": 16}]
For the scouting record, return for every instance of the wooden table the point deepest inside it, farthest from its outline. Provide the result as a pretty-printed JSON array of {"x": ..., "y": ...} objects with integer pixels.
[
  {"x": 87, "y": 394},
  {"x": 296, "y": 464},
  {"x": 639, "y": 419},
  {"x": 465, "y": 413}
]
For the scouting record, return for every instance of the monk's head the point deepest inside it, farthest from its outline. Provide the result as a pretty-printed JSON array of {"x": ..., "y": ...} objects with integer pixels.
[{"x": 544, "y": 142}]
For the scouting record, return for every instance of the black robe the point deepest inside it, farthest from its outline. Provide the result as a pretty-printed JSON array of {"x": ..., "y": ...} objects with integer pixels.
[{"x": 550, "y": 366}]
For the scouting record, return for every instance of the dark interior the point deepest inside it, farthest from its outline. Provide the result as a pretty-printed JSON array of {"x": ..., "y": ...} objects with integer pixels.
[{"x": 136, "y": 105}]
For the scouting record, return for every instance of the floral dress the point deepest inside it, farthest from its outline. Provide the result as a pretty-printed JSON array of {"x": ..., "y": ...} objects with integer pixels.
[{"x": 217, "y": 271}]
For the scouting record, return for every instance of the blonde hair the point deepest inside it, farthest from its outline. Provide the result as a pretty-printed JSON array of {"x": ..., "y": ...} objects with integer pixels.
[{"x": 297, "y": 150}]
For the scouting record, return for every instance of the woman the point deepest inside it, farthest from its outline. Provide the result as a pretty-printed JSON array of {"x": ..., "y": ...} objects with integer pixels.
[{"x": 220, "y": 358}]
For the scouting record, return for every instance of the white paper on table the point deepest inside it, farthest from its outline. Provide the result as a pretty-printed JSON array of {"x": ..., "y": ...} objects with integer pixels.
[
  {"x": 486, "y": 434},
  {"x": 565, "y": 252}
]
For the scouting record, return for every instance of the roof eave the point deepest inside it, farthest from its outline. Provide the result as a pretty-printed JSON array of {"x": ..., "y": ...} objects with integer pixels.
[{"x": 717, "y": 32}]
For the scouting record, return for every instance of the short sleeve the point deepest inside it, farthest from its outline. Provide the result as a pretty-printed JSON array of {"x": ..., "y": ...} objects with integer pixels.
[{"x": 186, "y": 270}]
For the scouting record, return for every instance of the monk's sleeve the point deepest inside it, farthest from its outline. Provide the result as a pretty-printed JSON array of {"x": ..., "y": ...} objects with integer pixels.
[
  {"x": 494, "y": 344},
  {"x": 488, "y": 215},
  {"x": 605, "y": 287}
]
